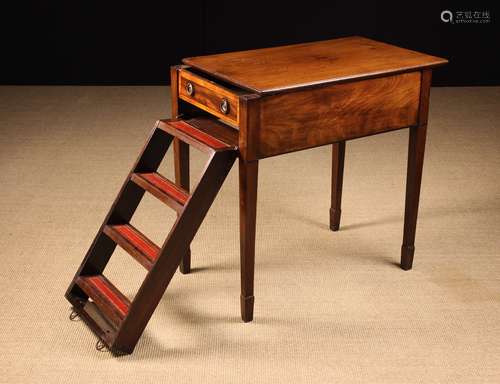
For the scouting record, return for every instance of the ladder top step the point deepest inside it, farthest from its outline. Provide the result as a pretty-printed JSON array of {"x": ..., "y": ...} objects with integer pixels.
[
  {"x": 206, "y": 131},
  {"x": 107, "y": 297}
]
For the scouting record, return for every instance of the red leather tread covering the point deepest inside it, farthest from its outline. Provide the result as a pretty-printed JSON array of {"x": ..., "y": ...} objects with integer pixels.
[
  {"x": 198, "y": 135},
  {"x": 165, "y": 186},
  {"x": 108, "y": 291},
  {"x": 139, "y": 241}
]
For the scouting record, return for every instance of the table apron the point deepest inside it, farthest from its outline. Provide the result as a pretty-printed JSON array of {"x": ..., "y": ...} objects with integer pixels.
[{"x": 318, "y": 116}]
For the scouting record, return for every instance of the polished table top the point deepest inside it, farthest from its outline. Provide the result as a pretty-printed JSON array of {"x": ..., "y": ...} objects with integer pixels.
[{"x": 271, "y": 70}]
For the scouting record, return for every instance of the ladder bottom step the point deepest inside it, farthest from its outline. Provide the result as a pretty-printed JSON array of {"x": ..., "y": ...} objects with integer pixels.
[{"x": 110, "y": 301}]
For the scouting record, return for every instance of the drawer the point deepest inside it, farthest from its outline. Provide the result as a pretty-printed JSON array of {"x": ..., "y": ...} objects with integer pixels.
[{"x": 209, "y": 96}]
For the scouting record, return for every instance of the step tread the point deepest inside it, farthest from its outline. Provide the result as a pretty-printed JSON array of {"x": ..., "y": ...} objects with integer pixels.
[
  {"x": 166, "y": 186},
  {"x": 134, "y": 242},
  {"x": 163, "y": 189},
  {"x": 207, "y": 131},
  {"x": 106, "y": 296}
]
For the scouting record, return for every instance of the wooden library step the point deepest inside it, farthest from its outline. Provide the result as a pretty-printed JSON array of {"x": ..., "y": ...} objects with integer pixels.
[
  {"x": 162, "y": 188},
  {"x": 206, "y": 134},
  {"x": 118, "y": 322},
  {"x": 110, "y": 301},
  {"x": 134, "y": 242}
]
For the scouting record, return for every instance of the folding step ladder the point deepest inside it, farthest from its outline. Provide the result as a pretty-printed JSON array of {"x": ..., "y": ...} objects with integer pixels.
[{"x": 117, "y": 321}]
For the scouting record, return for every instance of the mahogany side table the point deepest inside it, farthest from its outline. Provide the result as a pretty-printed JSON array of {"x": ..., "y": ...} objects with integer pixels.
[
  {"x": 294, "y": 97},
  {"x": 250, "y": 105}
]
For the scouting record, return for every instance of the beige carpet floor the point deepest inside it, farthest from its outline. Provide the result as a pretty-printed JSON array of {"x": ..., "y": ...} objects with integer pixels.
[{"x": 330, "y": 307}]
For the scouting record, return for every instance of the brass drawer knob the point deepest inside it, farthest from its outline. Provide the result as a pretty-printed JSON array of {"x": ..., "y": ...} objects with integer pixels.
[
  {"x": 189, "y": 88},
  {"x": 224, "y": 106}
]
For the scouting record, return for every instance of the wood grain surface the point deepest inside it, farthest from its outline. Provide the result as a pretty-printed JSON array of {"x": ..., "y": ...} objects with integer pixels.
[
  {"x": 276, "y": 69},
  {"x": 312, "y": 117}
]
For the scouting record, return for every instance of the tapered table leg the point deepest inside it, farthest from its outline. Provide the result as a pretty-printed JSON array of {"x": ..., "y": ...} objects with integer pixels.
[
  {"x": 248, "y": 211},
  {"x": 416, "y": 151},
  {"x": 338, "y": 155},
  {"x": 181, "y": 159}
]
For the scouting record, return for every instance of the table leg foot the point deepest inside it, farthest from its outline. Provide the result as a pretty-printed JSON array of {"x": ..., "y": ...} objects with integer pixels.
[
  {"x": 407, "y": 252},
  {"x": 185, "y": 265},
  {"x": 247, "y": 308},
  {"x": 335, "y": 219}
]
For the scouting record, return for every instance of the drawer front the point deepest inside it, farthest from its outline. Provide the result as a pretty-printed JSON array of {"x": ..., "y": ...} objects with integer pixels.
[
  {"x": 314, "y": 117},
  {"x": 209, "y": 96}
]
